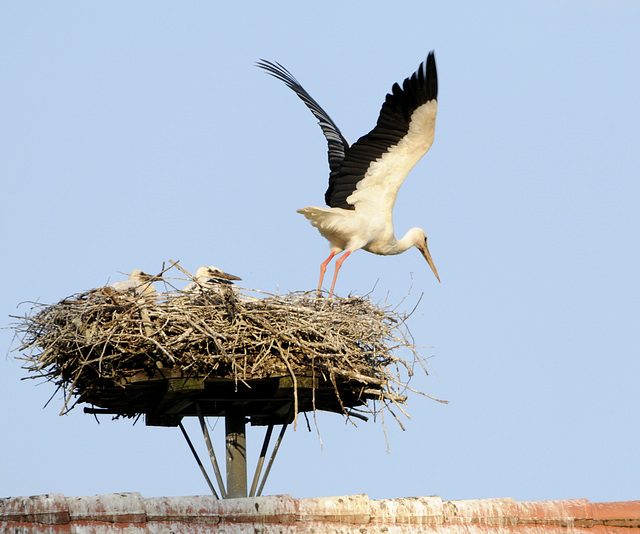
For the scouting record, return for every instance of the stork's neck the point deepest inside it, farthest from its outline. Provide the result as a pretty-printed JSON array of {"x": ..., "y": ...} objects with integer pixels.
[{"x": 396, "y": 246}]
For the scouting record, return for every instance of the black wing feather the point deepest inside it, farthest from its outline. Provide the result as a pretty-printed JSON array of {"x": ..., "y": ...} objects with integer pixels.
[
  {"x": 392, "y": 126},
  {"x": 336, "y": 141}
]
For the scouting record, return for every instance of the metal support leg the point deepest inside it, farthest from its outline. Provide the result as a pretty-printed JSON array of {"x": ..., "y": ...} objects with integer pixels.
[
  {"x": 236, "y": 453},
  {"x": 212, "y": 454},
  {"x": 195, "y": 454},
  {"x": 272, "y": 458},
  {"x": 263, "y": 455}
]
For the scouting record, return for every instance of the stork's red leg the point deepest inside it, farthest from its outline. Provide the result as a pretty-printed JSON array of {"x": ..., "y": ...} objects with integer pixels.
[
  {"x": 335, "y": 274},
  {"x": 323, "y": 269}
]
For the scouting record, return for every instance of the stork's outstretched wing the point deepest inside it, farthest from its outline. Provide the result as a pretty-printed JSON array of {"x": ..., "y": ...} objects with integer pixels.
[
  {"x": 383, "y": 157},
  {"x": 336, "y": 141}
]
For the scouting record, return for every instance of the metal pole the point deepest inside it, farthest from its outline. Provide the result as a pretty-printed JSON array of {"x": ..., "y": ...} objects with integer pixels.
[
  {"x": 272, "y": 458},
  {"x": 263, "y": 454},
  {"x": 236, "y": 453},
  {"x": 212, "y": 453},
  {"x": 195, "y": 454}
]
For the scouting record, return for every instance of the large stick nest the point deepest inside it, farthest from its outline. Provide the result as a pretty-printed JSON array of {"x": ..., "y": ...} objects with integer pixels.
[{"x": 101, "y": 338}]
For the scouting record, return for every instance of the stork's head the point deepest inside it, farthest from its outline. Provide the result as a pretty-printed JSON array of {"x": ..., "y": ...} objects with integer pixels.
[
  {"x": 421, "y": 244},
  {"x": 141, "y": 276},
  {"x": 204, "y": 273}
]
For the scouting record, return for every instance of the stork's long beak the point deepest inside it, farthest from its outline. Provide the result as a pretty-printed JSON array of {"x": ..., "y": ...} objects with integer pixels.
[
  {"x": 227, "y": 276},
  {"x": 422, "y": 247}
]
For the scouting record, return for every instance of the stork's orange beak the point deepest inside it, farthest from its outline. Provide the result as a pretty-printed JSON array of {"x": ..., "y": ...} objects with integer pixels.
[{"x": 422, "y": 247}]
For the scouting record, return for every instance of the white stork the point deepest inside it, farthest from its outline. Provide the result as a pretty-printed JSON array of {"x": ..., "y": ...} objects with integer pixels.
[
  {"x": 139, "y": 283},
  {"x": 366, "y": 176},
  {"x": 210, "y": 277}
]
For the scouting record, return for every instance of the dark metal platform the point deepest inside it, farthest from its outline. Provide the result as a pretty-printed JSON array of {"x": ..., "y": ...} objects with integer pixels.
[{"x": 168, "y": 396}]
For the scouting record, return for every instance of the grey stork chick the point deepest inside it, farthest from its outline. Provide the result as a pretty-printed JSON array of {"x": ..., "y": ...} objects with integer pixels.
[
  {"x": 210, "y": 278},
  {"x": 212, "y": 286},
  {"x": 139, "y": 284}
]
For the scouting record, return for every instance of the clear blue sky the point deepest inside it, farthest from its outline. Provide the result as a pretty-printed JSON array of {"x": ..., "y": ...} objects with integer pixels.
[{"x": 135, "y": 133}]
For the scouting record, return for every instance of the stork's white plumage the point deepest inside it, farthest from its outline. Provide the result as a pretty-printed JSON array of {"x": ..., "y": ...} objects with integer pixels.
[
  {"x": 366, "y": 176},
  {"x": 139, "y": 284},
  {"x": 209, "y": 278}
]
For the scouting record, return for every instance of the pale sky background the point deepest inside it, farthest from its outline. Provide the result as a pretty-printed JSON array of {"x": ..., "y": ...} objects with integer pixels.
[{"x": 132, "y": 133}]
